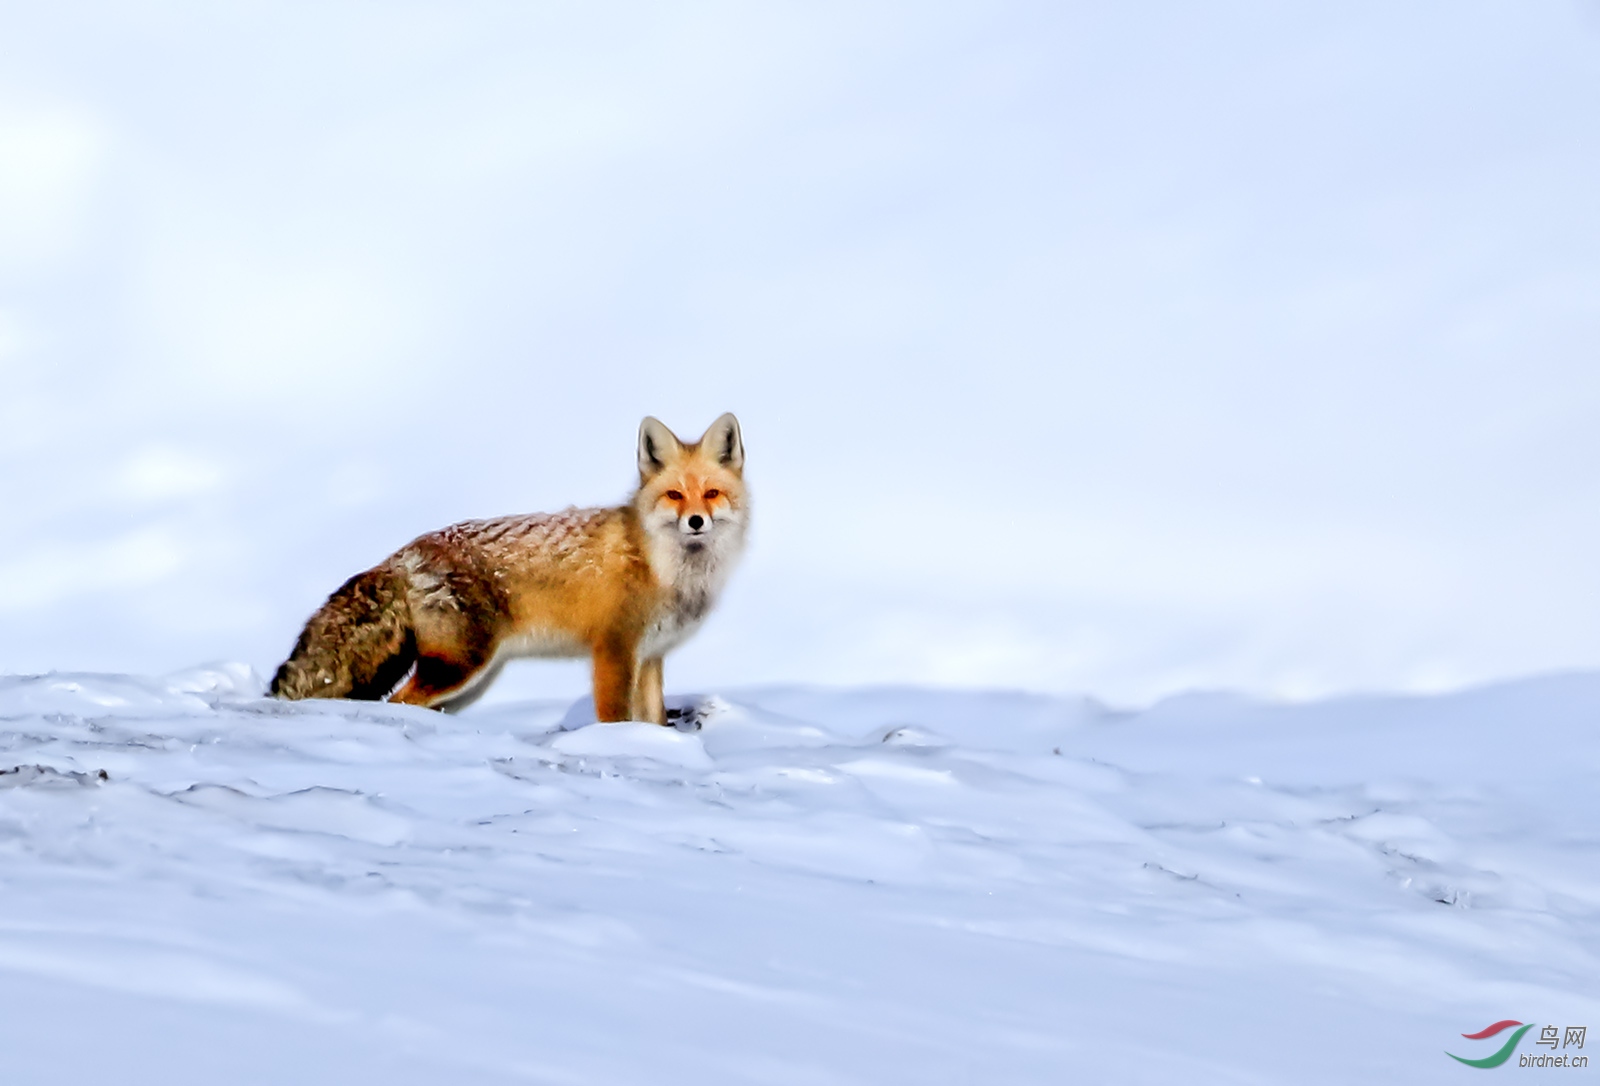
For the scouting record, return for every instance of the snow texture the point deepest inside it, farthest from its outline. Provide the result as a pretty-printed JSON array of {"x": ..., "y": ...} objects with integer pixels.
[{"x": 796, "y": 885}]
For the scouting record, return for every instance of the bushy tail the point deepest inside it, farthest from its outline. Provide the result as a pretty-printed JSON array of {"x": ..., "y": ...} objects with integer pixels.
[{"x": 359, "y": 644}]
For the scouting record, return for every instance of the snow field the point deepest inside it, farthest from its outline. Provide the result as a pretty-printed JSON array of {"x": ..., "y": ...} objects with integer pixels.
[{"x": 874, "y": 886}]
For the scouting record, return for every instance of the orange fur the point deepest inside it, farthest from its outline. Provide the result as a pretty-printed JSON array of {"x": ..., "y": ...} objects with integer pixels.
[{"x": 431, "y": 624}]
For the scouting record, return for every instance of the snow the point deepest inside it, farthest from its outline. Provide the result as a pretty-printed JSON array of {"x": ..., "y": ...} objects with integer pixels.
[{"x": 816, "y": 886}]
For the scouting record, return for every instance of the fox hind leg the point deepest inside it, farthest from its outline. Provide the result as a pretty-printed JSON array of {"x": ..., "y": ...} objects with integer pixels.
[
  {"x": 455, "y": 659},
  {"x": 459, "y": 615},
  {"x": 438, "y": 682}
]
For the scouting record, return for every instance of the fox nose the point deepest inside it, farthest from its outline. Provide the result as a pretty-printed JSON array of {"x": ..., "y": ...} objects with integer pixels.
[{"x": 696, "y": 522}]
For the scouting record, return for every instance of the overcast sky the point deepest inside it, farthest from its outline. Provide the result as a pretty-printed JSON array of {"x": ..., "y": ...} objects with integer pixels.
[{"x": 1110, "y": 348}]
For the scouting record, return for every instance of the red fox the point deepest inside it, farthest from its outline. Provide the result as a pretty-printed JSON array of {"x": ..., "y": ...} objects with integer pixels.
[{"x": 433, "y": 623}]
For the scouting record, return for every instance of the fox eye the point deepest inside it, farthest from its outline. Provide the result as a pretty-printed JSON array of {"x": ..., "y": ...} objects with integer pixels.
[
  {"x": 675, "y": 495},
  {"x": 711, "y": 495}
]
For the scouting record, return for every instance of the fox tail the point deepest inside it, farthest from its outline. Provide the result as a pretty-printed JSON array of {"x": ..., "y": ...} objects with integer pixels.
[{"x": 360, "y": 644}]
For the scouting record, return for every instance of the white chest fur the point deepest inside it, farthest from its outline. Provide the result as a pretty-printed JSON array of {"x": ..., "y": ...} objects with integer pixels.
[{"x": 692, "y": 579}]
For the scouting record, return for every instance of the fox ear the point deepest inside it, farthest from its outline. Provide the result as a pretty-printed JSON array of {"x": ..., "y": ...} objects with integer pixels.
[
  {"x": 722, "y": 441},
  {"x": 657, "y": 445}
]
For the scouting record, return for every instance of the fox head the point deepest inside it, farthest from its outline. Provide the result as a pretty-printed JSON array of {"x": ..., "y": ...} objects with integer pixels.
[{"x": 693, "y": 494}]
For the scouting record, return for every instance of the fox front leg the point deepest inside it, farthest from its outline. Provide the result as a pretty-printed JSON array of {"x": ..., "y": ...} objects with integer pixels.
[
  {"x": 615, "y": 669},
  {"x": 648, "y": 702}
]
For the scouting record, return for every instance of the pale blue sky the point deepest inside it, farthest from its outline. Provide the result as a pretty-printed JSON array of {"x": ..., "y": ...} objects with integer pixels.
[{"x": 1112, "y": 348}]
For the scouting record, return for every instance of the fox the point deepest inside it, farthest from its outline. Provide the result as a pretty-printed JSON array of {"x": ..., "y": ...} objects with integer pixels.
[{"x": 433, "y": 623}]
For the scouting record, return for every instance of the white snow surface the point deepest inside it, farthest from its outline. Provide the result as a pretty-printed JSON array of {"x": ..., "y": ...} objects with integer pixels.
[{"x": 818, "y": 886}]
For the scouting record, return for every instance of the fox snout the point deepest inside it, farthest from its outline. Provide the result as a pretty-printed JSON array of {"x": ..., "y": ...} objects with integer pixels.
[
  {"x": 695, "y": 529},
  {"x": 691, "y": 521}
]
